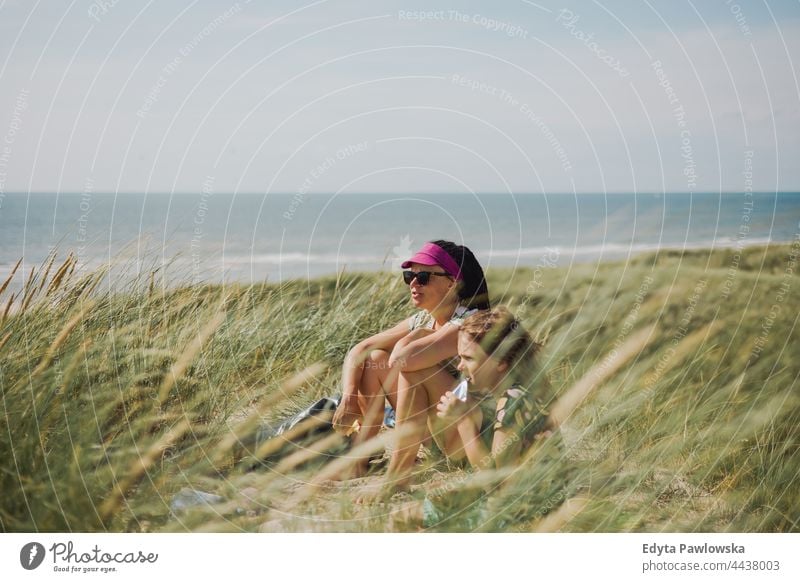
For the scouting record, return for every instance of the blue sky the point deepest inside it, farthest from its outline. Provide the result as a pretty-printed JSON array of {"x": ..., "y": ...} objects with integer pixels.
[{"x": 380, "y": 96}]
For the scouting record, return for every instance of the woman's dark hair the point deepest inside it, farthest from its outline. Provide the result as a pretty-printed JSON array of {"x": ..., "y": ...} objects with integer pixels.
[{"x": 473, "y": 291}]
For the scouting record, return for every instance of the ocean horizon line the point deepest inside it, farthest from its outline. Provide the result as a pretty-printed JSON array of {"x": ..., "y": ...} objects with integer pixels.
[{"x": 589, "y": 253}]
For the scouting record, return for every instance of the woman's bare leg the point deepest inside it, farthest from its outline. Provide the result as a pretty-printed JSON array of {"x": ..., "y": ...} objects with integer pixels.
[
  {"x": 379, "y": 381},
  {"x": 418, "y": 393},
  {"x": 371, "y": 398},
  {"x": 372, "y": 394}
]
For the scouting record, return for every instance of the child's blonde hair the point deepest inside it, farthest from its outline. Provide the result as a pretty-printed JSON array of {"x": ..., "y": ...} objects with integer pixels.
[{"x": 502, "y": 336}]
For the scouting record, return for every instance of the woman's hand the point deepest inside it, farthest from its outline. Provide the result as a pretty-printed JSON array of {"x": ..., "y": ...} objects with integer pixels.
[
  {"x": 347, "y": 417},
  {"x": 402, "y": 350}
]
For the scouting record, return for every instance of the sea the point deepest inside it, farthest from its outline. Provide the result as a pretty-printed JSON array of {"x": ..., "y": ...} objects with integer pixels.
[{"x": 251, "y": 237}]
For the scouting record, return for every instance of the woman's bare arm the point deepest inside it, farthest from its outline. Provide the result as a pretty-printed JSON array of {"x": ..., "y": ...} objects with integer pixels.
[{"x": 426, "y": 351}]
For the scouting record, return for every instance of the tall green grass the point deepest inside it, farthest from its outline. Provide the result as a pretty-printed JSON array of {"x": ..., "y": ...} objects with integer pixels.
[{"x": 119, "y": 392}]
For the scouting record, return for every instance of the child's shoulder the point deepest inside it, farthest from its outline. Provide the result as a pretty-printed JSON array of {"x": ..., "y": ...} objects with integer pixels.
[
  {"x": 518, "y": 409},
  {"x": 461, "y": 313}
]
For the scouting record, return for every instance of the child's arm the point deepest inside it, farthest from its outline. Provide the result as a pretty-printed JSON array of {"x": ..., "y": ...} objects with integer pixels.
[
  {"x": 505, "y": 443},
  {"x": 477, "y": 453},
  {"x": 506, "y": 446},
  {"x": 468, "y": 417},
  {"x": 517, "y": 414}
]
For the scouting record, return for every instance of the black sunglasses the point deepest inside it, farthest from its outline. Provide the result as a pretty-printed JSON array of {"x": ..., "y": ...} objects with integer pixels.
[{"x": 422, "y": 277}]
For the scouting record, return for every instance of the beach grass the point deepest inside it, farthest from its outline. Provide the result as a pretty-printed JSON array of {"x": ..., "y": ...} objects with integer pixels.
[{"x": 675, "y": 376}]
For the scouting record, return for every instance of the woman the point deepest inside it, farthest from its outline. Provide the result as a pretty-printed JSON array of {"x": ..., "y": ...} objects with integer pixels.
[{"x": 413, "y": 364}]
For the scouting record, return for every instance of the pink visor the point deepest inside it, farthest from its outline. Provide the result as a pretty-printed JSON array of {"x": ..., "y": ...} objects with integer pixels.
[{"x": 431, "y": 254}]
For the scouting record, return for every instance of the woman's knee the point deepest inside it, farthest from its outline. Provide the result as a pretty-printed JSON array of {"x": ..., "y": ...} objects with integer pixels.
[
  {"x": 377, "y": 360},
  {"x": 375, "y": 366}
]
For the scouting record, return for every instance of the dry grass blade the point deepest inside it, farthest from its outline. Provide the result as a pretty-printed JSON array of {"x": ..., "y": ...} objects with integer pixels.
[
  {"x": 65, "y": 268},
  {"x": 599, "y": 373},
  {"x": 98, "y": 278},
  {"x": 689, "y": 346},
  {"x": 8, "y": 307},
  {"x": 29, "y": 290},
  {"x": 29, "y": 282},
  {"x": 61, "y": 338},
  {"x": 276, "y": 443},
  {"x": 139, "y": 467},
  {"x": 46, "y": 272},
  {"x": 77, "y": 359},
  {"x": 179, "y": 368},
  {"x": 556, "y": 520},
  {"x": 10, "y": 276},
  {"x": 345, "y": 464},
  {"x": 248, "y": 425},
  {"x": 308, "y": 453},
  {"x": 486, "y": 478},
  {"x": 4, "y": 340}
]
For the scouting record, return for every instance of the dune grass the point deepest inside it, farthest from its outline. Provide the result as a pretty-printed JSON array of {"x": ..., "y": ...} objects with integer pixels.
[{"x": 681, "y": 370}]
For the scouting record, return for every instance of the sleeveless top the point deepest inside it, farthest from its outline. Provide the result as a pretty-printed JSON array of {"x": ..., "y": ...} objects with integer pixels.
[
  {"x": 518, "y": 410},
  {"x": 423, "y": 320},
  {"x": 514, "y": 410}
]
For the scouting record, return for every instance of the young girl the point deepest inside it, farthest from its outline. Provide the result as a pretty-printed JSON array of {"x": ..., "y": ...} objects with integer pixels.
[
  {"x": 493, "y": 410},
  {"x": 413, "y": 363}
]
